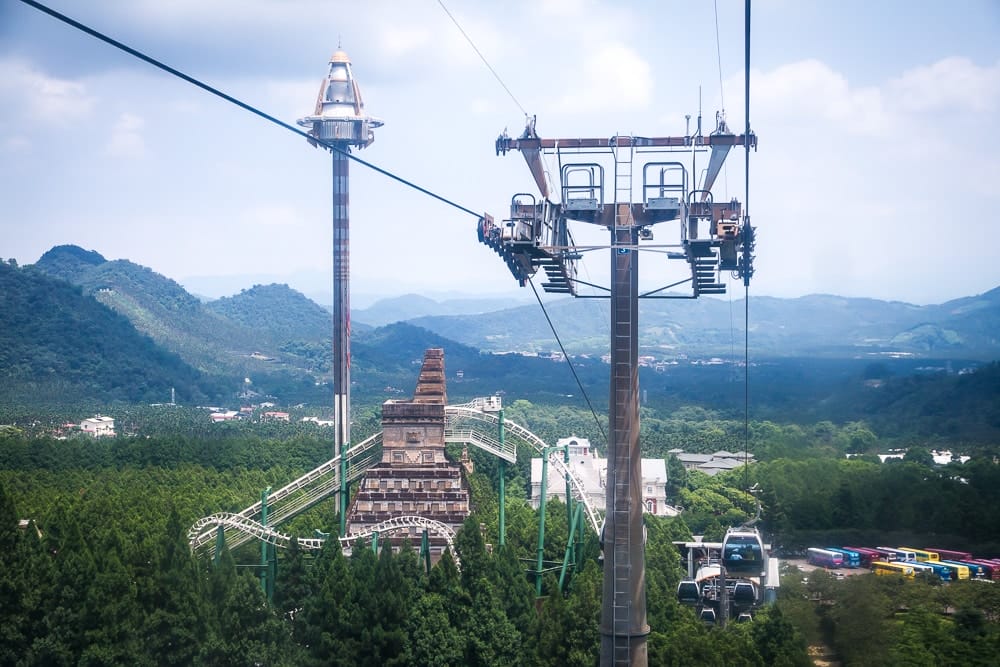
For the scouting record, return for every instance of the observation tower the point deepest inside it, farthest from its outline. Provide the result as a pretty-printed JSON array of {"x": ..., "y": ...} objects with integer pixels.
[{"x": 339, "y": 123}]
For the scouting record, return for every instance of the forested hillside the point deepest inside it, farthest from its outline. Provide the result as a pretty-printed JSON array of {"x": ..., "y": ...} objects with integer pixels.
[
  {"x": 277, "y": 313},
  {"x": 279, "y": 340},
  {"x": 123, "y": 587},
  {"x": 265, "y": 318},
  {"x": 160, "y": 308},
  {"x": 58, "y": 345}
]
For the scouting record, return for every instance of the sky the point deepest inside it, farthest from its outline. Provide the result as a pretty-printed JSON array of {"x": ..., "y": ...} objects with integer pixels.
[{"x": 877, "y": 172}]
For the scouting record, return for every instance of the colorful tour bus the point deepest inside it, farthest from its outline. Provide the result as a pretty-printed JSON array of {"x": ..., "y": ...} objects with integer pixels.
[
  {"x": 991, "y": 569},
  {"x": 948, "y": 554},
  {"x": 825, "y": 557},
  {"x": 942, "y": 572},
  {"x": 923, "y": 555},
  {"x": 852, "y": 559},
  {"x": 868, "y": 556},
  {"x": 883, "y": 568},
  {"x": 961, "y": 570},
  {"x": 898, "y": 554}
]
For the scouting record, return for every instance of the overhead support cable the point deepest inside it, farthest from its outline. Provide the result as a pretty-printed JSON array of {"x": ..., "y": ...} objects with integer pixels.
[
  {"x": 541, "y": 305},
  {"x": 243, "y": 105},
  {"x": 722, "y": 92},
  {"x": 572, "y": 369},
  {"x": 747, "y": 269},
  {"x": 482, "y": 57},
  {"x": 718, "y": 54}
]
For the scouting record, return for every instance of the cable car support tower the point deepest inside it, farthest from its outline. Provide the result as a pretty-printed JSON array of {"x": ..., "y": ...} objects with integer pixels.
[{"x": 713, "y": 237}]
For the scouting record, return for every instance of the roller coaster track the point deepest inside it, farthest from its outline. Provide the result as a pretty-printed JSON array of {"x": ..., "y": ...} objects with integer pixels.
[
  {"x": 464, "y": 426},
  {"x": 254, "y": 529},
  {"x": 473, "y": 412},
  {"x": 292, "y": 499}
]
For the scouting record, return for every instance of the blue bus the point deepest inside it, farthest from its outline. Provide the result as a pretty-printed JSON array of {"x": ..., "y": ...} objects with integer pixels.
[
  {"x": 942, "y": 572},
  {"x": 976, "y": 570}
]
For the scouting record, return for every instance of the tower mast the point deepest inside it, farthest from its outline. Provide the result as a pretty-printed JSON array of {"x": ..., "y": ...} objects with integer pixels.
[{"x": 340, "y": 122}]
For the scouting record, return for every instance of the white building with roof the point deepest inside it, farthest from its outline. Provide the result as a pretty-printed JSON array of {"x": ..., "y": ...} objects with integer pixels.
[
  {"x": 711, "y": 464},
  {"x": 592, "y": 471},
  {"x": 98, "y": 426}
]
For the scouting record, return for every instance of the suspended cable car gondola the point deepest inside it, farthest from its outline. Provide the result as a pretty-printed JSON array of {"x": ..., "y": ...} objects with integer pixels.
[
  {"x": 744, "y": 592},
  {"x": 688, "y": 592},
  {"x": 743, "y": 552}
]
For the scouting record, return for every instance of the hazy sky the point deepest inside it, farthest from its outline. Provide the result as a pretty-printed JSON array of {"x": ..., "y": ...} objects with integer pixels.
[{"x": 878, "y": 171}]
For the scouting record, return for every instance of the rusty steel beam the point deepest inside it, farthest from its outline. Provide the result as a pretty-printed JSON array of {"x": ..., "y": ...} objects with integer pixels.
[
  {"x": 505, "y": 144},
  {"x": 624, "y": 628}
]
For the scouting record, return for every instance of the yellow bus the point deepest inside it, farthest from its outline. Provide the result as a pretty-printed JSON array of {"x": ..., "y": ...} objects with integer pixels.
[
  {"x": 882, "y": 568},
  {"x": 922, "y": 555}
]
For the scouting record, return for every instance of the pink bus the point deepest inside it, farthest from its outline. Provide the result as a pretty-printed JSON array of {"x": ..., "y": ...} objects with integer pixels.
[{"x": 948, "y": 554}]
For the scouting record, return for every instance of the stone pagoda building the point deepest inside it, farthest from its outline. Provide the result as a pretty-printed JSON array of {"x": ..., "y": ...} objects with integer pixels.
[{"x": 414, "y": 478}]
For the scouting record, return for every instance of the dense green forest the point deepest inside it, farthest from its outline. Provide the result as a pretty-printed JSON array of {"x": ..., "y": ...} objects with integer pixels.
[
  {"x": 107, "y": 578},
  {"x": 103, "y": 574}
]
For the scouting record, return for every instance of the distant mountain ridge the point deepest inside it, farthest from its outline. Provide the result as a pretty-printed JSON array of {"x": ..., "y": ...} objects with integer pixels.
[
  {"x": 270, "y": 318},
  {"x": 156, "y": 306},
  {"x": 411, "y": 306},
  {"x": 71, "y": 330},
  {"x": 822, "y": 325}
]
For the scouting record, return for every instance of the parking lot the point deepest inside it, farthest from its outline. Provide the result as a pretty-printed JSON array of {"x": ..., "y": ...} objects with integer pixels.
[{"x": 806, "y": 567}]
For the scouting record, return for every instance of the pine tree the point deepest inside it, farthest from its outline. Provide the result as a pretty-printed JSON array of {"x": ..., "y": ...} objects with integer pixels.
[
  {"x": 491, "y": 639},
  {"x": 292, "y": 586},
  {"x": 320, "y": 628},
  {"x": 15, "y": 562},
  {"x": 248, "y": 631},
  {"x": 174, "y": 626},
  {"x": 432, "y": 639}
]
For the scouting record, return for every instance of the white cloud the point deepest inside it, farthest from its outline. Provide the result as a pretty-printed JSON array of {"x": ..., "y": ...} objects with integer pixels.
[
  {"x": 849, "y": 175},
  {"x": 16, "y": 144},
  {"x": 949, "y": 86},
  {"x": 810, "y": 93},
  {"x": 42, "y": 98},
  {"x": 289, "y": 99},
  {"x": 565, "y": 8},
  {"x": 402, "y": 40},
  {"x": 614, "y": 77},
  {"x": 126, "y": 137}
]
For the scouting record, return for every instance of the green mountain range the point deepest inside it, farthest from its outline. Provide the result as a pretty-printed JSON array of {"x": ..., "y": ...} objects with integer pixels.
[
  {"x": 75, "y": 326},
  {"x": 815, "y": 325}
]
